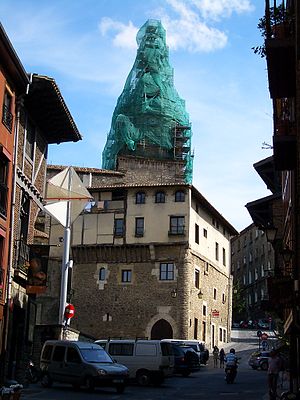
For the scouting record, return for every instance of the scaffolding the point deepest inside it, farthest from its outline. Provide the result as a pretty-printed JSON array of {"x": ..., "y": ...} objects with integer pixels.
[{"x": 150, "y": 119}]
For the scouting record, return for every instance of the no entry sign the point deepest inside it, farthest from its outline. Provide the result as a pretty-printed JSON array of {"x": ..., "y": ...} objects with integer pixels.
[{"x": 69, "y": 311}]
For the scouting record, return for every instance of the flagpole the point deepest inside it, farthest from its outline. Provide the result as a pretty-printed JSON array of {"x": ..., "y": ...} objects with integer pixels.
[{"x": 66, "y": 257}]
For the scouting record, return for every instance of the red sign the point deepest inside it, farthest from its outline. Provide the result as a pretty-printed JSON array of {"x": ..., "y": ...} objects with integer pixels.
[
  {"x": 264, "y": 336},
  {"x": 215, "y": 313},
  {"x": 69, "y": 311}
]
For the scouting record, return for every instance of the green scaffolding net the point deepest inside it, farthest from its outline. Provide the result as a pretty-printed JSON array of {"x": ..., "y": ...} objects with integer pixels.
[{"x": 150, "y": 119}]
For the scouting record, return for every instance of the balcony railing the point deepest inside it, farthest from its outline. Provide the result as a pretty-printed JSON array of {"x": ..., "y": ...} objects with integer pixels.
[{"x": 7, "y": 117}]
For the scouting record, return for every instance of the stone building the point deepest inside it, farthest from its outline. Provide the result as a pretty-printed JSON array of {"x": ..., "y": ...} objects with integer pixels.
[
  {"x": 252, "y": 264},
  {"x": 151, "y": 257}
]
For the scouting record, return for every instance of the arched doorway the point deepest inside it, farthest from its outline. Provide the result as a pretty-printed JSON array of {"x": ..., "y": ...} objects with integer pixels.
[{"x": 161, "y": 330}]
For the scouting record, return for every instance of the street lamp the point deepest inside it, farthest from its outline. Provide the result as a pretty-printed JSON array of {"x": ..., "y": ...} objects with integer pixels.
[{"x": 271, "y": 233}]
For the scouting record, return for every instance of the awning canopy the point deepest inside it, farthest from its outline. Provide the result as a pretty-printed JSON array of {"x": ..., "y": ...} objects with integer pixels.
[
  {"x": 49, "y": 110},
  {"x": 261, "y": 210},
  {"x": 266, "y": 170}
]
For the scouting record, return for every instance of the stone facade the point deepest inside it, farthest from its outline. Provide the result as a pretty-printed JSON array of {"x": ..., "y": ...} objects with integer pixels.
[{"x": 119, "y": 284}]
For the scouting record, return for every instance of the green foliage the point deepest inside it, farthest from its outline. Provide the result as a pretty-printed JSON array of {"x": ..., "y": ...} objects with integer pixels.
[{"x": 238, "y": 301}]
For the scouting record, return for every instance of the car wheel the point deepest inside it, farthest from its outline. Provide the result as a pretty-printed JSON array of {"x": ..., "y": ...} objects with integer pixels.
[
  {"x": 46, "y": 381},
  {"x": 120, "y": 388},
  {"x": 264, "y": 366},
  {"x": 89, "y": 383},
  {"x": 143, "y": 378}
]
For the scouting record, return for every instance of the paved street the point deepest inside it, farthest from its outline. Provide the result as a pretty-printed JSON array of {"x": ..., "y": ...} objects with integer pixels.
[{"x": 207, "y": 384}]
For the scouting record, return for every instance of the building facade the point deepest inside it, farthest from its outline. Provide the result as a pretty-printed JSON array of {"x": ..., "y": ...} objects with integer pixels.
[
  {"x": 278, "y": 214},
  {"x": 151, "y": 259},
  {"x": 252, "y": 265}
]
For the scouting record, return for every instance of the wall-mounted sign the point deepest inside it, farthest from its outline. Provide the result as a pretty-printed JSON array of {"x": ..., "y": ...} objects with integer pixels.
[{"x": 215, "y": 313}]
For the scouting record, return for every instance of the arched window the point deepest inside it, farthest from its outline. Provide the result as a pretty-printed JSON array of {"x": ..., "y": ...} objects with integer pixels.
[
  {"x": 102, "y": 274},
  {"x": 179, "y": 196},
  {"x": 140, "y": 198},
  {"x": 160, "y": 197}
]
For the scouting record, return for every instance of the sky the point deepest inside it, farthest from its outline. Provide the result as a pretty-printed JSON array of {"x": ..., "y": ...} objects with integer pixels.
[{"x": 89, "y": 47}]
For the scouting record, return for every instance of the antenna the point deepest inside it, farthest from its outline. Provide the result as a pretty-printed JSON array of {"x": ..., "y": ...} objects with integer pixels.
[{"x": 266, "y": 146}]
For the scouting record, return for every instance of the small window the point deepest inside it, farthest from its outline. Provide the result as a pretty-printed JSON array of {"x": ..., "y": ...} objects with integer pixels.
[
  {"x": 126, "y": 275},
  {"x": 139, "y": 226},
  {"x": 59, "y": 353},
  {"x": 217, "y": 251},
  {"x": 197, "y": 233},
  {"x": 102, "y": 274},
  {"x": 204, "y": 310},
  {"x": 179, "y": 196},
  {"x": 119, "y": 227},
  {"x": 215, "y": 294},
  {"x": 197, "y": 278},
  {"x": 223, "y": 298},
  {"x": 166, "y": 272},
  {"x": 140, "y": 198},
  {"x": 176, "y": 226},
  {"x": 220, "y": 334},
  {"x": 7, "y": 116},
  {"x": 30, "y": 138},
  {"x": 224, "y": 257},
  {"x": 205, "y": 233},
  {"x": 160, "y": 197},
  {"x": 73, "y": 356},
  {"x": 47, "y": 352}
]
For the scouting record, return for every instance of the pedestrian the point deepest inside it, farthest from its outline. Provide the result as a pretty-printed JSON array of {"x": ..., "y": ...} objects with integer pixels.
[
  {"x": 273, "y": 372},
  {"x": 215, "y": 356},
  {"x": 222, "y": 358}
]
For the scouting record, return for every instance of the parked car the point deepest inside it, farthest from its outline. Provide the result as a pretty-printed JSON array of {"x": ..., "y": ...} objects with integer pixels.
[
  {"x": 186, "y": 359},
  {"x": 80, "y": 364},
  {"x": 148, "y": 361},
  {"x": 263, "y": 324},
  {"x": 259, "y": 360},
  {"x": 197, "y": 345}
]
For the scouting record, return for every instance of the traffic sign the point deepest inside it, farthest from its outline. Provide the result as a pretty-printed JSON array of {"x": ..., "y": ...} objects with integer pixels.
[
  {"x": 69, "y": 311},
  {"x": 264, "y": 336}
]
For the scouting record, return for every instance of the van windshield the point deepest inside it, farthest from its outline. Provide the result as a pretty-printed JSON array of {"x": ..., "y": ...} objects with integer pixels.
[{"x": 96, "y": 356}]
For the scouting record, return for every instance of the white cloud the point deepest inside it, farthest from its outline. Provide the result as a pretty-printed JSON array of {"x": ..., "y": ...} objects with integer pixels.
[
  {"x": 186, "y": 22},
  {"x": 125, "y": 34},
  {"x": 217, "y": 9}
]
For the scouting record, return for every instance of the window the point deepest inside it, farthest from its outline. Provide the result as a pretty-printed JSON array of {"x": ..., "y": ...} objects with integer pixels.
[
  {"x": 140, "y": 198},
  {"x": 139, "y": 226},
  {"x": 223, "y": 298},
  {"x": 102, "y": 274},
  {"x": 195, "y": 328},
  {"x": 220, "y": 334},
  {"x": 224, "y": 257},
  {"x": 215, "y": 294},
  {"x": 197, "y": 278},
  {"x": 119, "y": 227},
  {"x": 204, "y": 310},
  {"x": 59, "y": 353},
  {"x": 217, "y": 251},
  {"x": 73, "y": 356},
  {"x": 7, "y": 117},
  {"x": 30, "y": 138},
  {"x": 176, "y": 225},
  {"x": 121, "y": 349},
  {"x": 205, "y": 233},
  {"x": 206, "y": 268},
  {"x": 126, "y": 275},
  {"x": 197, "y": 233},
  {"x": 179, "y": 196},
  {"x": 3, "y": 184},
  {"x": 203, "y": 331},
  {"x": 166, "y": 272},
  {"x": 160, "y": 197}
]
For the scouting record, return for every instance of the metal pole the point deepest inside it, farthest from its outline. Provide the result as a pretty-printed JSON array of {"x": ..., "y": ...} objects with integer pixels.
[{"x": 65, "y": 259}]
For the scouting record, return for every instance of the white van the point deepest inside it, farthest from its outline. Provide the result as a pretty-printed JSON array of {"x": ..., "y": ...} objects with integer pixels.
[{"x": 148, "y": 361}]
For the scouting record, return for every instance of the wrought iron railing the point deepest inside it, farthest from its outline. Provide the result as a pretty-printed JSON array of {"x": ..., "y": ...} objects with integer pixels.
[{"x": 7, "y": 117}]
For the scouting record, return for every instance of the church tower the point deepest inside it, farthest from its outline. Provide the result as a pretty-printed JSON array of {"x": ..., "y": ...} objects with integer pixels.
[{"x": 150, "y": 120}]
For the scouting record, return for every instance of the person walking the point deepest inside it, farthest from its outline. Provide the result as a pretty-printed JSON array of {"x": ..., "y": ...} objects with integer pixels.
[
  {"x": 273, "y": 372},
  {"x": 215, "y": 356},
  {"x": 222, "y": 358}
]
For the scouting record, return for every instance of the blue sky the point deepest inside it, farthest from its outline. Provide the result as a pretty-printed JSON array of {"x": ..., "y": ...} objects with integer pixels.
[{"x": 88, "y": 47}]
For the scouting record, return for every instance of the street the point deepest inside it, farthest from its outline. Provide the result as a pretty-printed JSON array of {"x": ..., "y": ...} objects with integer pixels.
[{"x": 208, "y": 384}]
